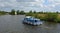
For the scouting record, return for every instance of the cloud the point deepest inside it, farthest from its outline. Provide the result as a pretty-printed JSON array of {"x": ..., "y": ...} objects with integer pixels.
[
  {"x": 40, "y": 5},
  {"x": 25, "y": 1}
]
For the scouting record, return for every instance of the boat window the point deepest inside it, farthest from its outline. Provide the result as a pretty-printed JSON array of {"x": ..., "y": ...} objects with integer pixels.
[
  {"x": 25, "y": 18},
  {"x": 35, "y": 20}
]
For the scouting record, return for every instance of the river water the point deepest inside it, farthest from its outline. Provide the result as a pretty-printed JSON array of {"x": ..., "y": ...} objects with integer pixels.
[{"x": 13, "y": 24}]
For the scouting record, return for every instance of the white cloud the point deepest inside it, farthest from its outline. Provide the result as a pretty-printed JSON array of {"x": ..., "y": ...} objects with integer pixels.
[
  {"x": 2, "y": 5},
  {"x": 51, "y": 4},
  {"x": 57, "y": 1},
  {"x": 37, "y": 0},
  {"x": 12, "y": 3}
]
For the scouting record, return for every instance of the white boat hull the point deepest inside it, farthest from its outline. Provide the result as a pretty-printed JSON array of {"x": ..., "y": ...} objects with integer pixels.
[{"x": 36, "y": 23}]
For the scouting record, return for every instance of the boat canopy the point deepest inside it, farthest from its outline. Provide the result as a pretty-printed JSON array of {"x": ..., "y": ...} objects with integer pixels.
[{"x": 28, "y": 17}]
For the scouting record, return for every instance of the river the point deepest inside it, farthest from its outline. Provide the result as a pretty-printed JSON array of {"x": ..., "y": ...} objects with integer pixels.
[{"x": 13, "y": 24}]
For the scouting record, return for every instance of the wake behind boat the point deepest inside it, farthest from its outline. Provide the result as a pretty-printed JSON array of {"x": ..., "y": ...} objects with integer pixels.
[{"x": 32, "y": 21}]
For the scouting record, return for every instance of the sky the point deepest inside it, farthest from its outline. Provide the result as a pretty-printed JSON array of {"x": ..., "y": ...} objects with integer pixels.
[{"x": 27, "y": 5}]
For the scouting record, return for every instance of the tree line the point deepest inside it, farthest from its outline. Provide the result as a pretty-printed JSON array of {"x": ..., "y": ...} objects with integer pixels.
[
  {"x": 18, "y": 12},
  {"x": 46, "y": 16},
  {"x": 12, "y": 12}
]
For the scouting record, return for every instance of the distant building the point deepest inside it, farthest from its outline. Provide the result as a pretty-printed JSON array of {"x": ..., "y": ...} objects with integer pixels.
[{"x": 15, "y": 13}]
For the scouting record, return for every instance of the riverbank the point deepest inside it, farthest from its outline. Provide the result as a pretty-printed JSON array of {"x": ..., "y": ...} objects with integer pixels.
[{"x": 49, "y": 17}]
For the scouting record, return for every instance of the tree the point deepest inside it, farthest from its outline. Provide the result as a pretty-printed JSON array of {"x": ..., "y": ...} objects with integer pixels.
[
  {"x": 34, "y": 12},
  {"x": 12, "y": 12},
  {"x": 18, "y": 12},
  {"x": 30, "y": 11},
  {"x": 57, "y": 12},
  {"x": 40, "y": 12},
  {"x": 22, "y": 12}
]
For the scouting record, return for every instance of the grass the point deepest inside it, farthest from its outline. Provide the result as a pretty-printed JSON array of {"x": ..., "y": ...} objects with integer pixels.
[{"x": 47, "y": 17}]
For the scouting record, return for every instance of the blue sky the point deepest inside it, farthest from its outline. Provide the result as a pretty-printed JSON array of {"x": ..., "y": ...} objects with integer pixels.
[{"x": 27, "y": 5}]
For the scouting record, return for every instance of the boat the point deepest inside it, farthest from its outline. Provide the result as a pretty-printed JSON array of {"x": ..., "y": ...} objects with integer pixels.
[{"x": 32, "y": 21}]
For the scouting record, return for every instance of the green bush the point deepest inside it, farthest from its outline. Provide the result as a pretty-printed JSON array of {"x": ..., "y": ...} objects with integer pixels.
[
  {"x": 58, "y": 20},
  {"x": 51, "y": 17}
]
